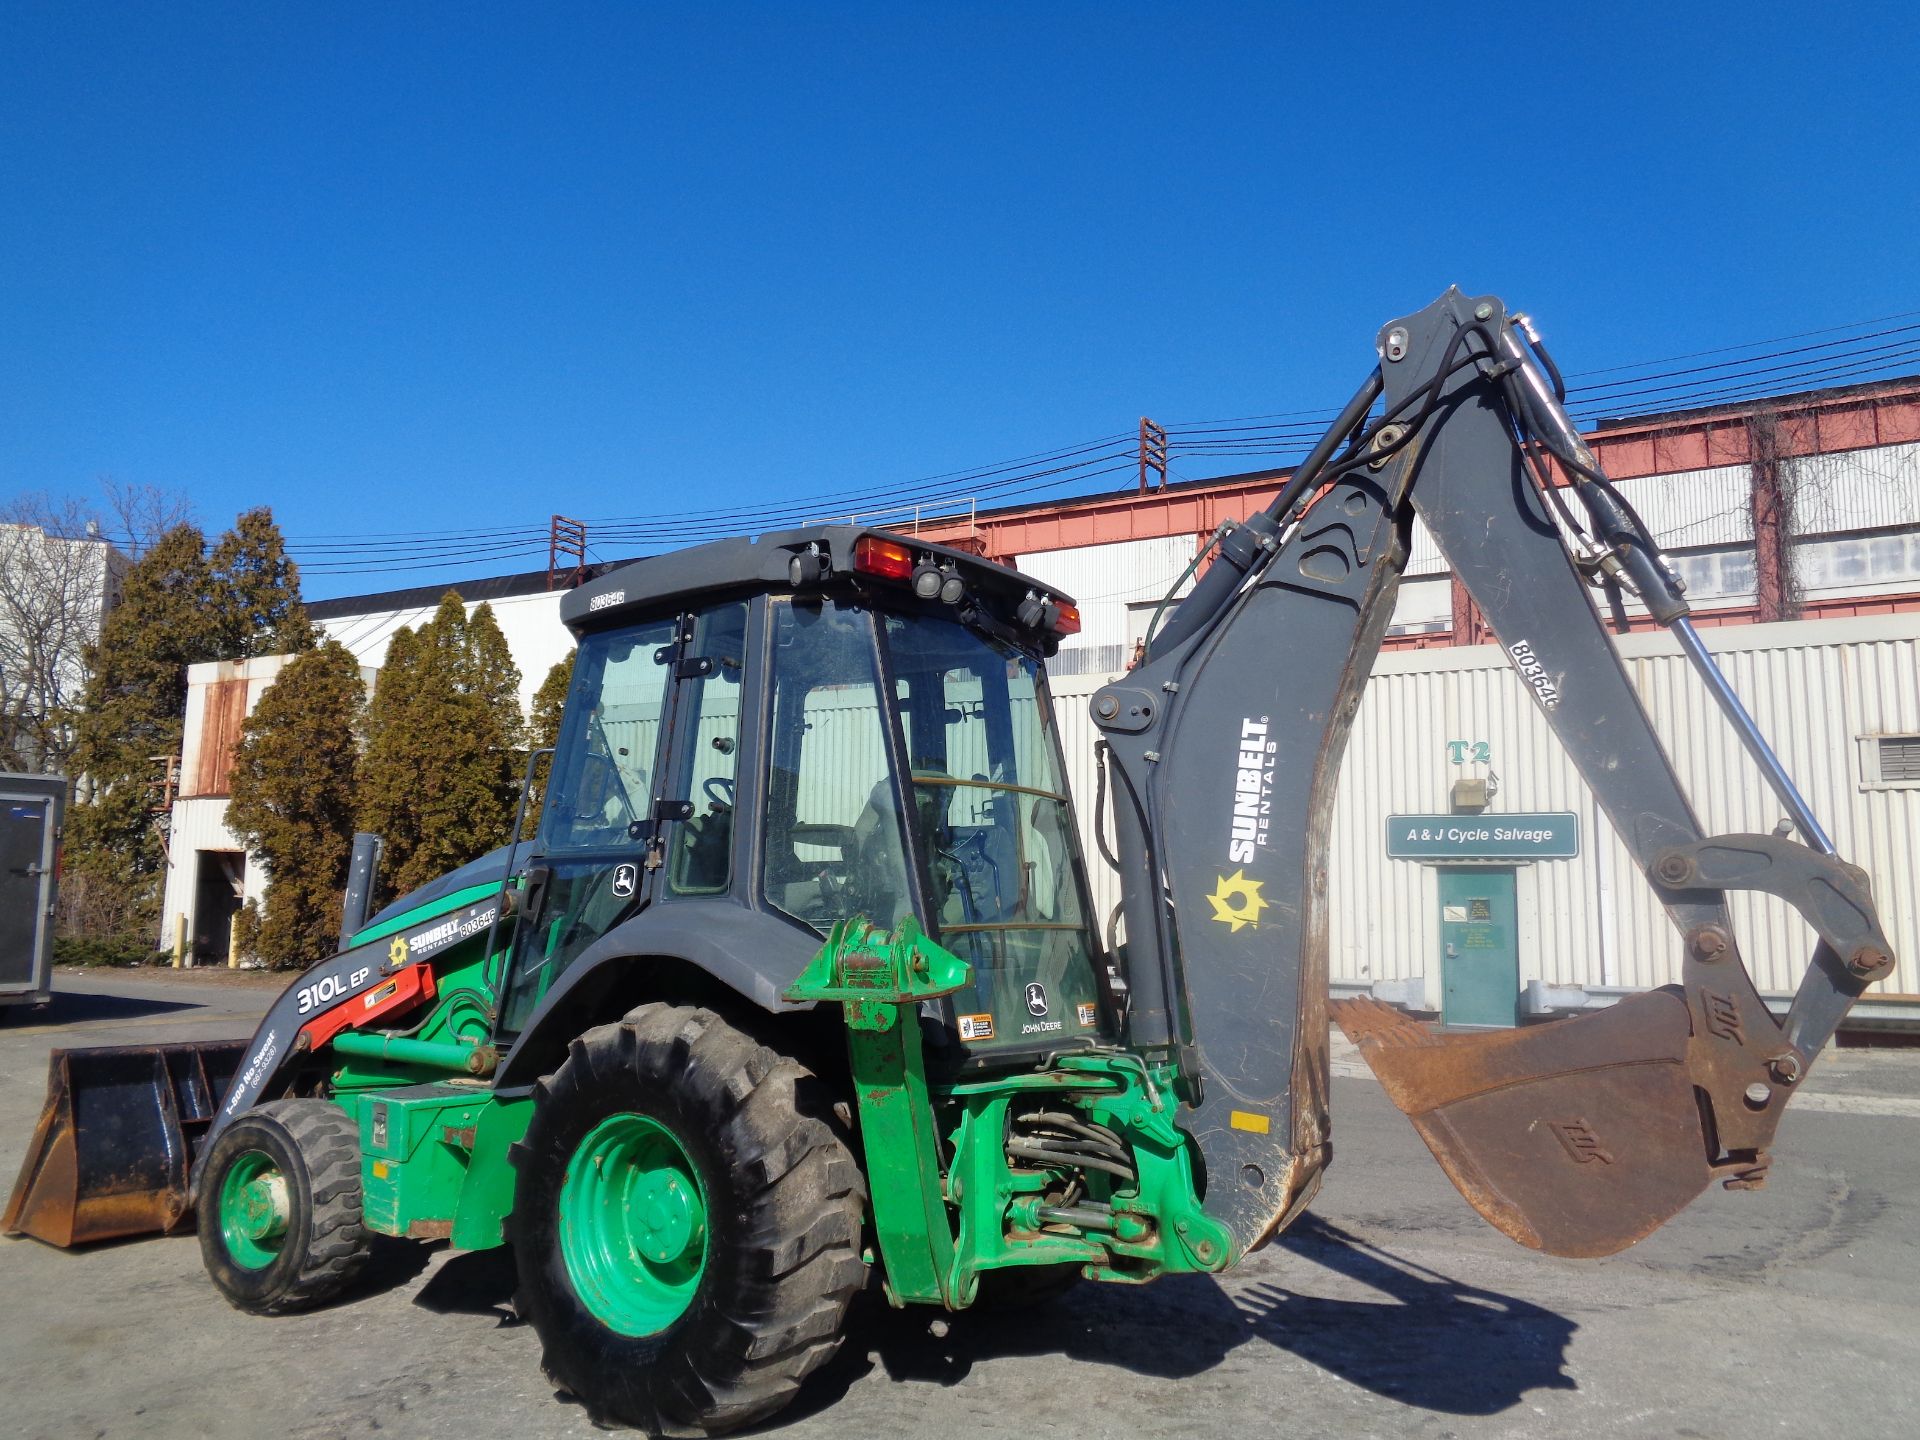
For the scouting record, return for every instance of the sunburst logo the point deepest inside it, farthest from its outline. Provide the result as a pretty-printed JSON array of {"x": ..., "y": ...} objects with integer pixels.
[
  {"x": 397, "y": 952},
  {"x": 1236, "y": 901}
]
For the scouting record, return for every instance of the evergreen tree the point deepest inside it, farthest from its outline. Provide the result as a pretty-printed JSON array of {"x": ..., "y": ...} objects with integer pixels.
[
  {"x": 441, "y": 772},
  {"x": 397, "y": 744},
  {"x": 177, "y": 608},
  {"x": 132, "y": 712},
  {"x": 293, "y": 800},
  {"x": 255, "y": 591},
  {"x": 549, "y": 706}
]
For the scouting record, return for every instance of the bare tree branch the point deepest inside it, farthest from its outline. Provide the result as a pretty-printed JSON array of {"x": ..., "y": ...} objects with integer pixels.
[
  {"x": 138, "y": 515},
  {"x": 56, "y": 580}
]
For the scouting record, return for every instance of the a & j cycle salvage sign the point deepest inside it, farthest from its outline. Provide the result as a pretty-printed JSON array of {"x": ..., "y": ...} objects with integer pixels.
[{"x": 1547, "y": 835}]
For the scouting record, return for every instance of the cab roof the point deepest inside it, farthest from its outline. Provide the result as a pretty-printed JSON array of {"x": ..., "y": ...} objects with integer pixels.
[{"x": 759, "y": 563}]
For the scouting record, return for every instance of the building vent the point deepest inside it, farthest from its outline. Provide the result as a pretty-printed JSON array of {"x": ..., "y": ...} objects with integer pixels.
[
  {"x": 1890, "y": 762},
  {"x": 1899, "y": 759}
]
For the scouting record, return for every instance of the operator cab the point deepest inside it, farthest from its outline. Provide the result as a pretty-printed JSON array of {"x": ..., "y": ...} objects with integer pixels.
[{"x": 818, "y": 724}]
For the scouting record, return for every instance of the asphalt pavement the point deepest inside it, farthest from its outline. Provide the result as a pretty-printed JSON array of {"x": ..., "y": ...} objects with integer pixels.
[{"x": 1390, "y": 1310}]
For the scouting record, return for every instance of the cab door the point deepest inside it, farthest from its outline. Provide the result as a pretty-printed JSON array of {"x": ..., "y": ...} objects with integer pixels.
[
  {"x": 601, "y": 814},
  {"x": 642, "y": 796},
  {"x": 710, "y": 688}
]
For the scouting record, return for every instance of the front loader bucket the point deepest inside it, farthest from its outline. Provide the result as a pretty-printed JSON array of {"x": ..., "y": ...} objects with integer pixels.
[
  {"x": 111, "y": 1154},
  {"x": 1577, "y": 1137}
]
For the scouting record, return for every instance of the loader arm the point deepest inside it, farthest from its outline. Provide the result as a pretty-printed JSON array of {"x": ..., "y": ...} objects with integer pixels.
[{"x": 1224, "y": 747}]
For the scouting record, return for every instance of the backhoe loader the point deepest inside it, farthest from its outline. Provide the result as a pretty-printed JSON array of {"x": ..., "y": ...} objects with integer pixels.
[{"x": 798, "y": 981}]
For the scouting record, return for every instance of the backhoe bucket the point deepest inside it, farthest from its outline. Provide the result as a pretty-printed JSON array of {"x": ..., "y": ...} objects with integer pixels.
[
  {"x": 1577, "y": 1137},
  {"x": 111, "y": 1154}
]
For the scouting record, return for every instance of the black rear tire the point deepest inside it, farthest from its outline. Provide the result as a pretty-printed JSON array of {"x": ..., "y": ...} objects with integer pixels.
[
  {"x": 315, "y": 1148},
  {"x": 784, "y": 1202}
]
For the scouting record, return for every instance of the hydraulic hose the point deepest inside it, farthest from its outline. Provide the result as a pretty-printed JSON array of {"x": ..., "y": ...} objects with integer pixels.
[
  {"x": 1218, "y": 585},
  {"x": 1060, "y": 1159}
]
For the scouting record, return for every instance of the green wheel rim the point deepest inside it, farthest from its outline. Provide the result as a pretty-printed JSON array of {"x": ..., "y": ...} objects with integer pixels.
[
  {"x": 633, "y": 1225},
  {"x": 254, "y": 1210}
]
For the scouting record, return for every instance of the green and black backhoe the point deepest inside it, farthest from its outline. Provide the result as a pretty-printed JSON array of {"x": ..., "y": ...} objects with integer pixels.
[{"x": 624, "y": 1050}]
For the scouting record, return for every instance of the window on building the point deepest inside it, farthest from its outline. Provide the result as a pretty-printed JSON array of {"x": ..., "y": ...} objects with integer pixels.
[
  {"x": 1851, "y": 562},
  {"x": 1890, "y": 762},
  {"x": 1717, "y": 574}
]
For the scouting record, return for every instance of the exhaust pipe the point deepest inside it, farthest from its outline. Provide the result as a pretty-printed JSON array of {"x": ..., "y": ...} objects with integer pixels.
[{"x": 361, "y": 868}]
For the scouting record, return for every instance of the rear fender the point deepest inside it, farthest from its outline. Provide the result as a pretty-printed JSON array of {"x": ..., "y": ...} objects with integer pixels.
[{"x": 667, "y": 951}]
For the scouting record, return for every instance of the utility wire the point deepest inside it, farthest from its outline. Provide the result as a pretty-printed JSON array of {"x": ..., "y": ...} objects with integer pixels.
[{"x": 1756, "y": 369}]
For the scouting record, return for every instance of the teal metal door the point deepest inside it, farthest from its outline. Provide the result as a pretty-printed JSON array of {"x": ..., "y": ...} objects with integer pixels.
[{"x": 1479, "y": 950}]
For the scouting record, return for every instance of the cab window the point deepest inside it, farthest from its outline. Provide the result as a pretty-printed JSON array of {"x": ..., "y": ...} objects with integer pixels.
[
  {"x": 700, "y": 848},
  {"x": 834, "y": 846},
  {"x": 602, "y": 786}
]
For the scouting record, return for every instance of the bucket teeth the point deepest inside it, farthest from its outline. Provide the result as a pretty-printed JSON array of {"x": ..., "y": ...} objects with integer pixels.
[
  {"x": 1577, "y": 1137},
  {"x": 1365, "y": 1018}
]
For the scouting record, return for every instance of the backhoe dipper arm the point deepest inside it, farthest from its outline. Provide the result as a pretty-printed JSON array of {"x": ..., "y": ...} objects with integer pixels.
[{"x": 1577, "y": 1137}]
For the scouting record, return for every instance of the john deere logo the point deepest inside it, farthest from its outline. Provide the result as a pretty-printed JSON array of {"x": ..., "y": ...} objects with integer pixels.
[
  {"x": 1236, "y": 901},
  {"x": 1036, "y": 999}
]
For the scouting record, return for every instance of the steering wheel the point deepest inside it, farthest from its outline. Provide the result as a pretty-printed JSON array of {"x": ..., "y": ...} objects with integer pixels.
[{"x": 719, "y": 790}]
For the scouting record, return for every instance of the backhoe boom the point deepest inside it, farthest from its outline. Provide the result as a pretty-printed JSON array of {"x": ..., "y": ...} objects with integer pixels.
[{"x": 1224, "y": 747}]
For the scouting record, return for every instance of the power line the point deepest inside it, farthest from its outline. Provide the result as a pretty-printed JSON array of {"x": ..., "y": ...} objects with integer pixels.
[
  {"x": 1748, "y": 345},
  {"x": 1276, "y": 436}
]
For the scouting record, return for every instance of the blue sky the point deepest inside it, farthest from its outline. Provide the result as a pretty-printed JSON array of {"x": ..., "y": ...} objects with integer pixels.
[{"x": 415, "y": 268}]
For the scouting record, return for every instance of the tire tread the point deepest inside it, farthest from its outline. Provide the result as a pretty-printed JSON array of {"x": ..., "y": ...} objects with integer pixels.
[
  {"x": 801, "y": 1194},
  {"x": 327, "y": 1143}
]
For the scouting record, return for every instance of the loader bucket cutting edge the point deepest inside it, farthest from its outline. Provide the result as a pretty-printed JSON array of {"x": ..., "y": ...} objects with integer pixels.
[
  {"x": 111, "y": 1153},
  {"x": 1577, "y": 1137}
]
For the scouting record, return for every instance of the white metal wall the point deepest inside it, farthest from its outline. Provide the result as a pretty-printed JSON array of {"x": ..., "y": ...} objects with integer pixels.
[
  {"x": 1814, "y": 686},
  {"x": 1870, "y": 489},
  {"x": 201, "y": 823},
  {"x": 1110, "y": 583},
  {"x": 530, "y": 624}
]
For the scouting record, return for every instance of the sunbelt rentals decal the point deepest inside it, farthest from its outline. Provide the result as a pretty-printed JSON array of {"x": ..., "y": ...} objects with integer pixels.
[{"x": 1236, "y": 900}]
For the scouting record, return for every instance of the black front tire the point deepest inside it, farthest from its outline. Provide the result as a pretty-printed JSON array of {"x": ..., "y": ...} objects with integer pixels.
[
  {"x": 316, "y": 1149},
  {"x": 785, "y": 1201}
]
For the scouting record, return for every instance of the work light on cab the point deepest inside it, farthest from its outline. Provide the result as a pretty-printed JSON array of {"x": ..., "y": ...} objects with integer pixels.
[
  {"x": 808, "y": 567},
  {"x": 934, "y": 581}
]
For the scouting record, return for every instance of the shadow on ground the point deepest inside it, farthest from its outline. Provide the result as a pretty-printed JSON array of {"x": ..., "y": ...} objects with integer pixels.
[
  {"x": 473, "y": 1282},
  {"x": 72, "y": 1007},
  {"x": 1427, "y": 1340},
  {"x": 391, "y": 1263},
  {"x": 1421, "y": 1338},
  {"x": 1432, "y": 1342}
]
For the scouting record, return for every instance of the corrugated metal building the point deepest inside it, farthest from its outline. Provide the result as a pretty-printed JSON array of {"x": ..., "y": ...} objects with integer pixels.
[
  {"x": 1839, "y": 697},
  {"x": 527, "y": 607}
]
